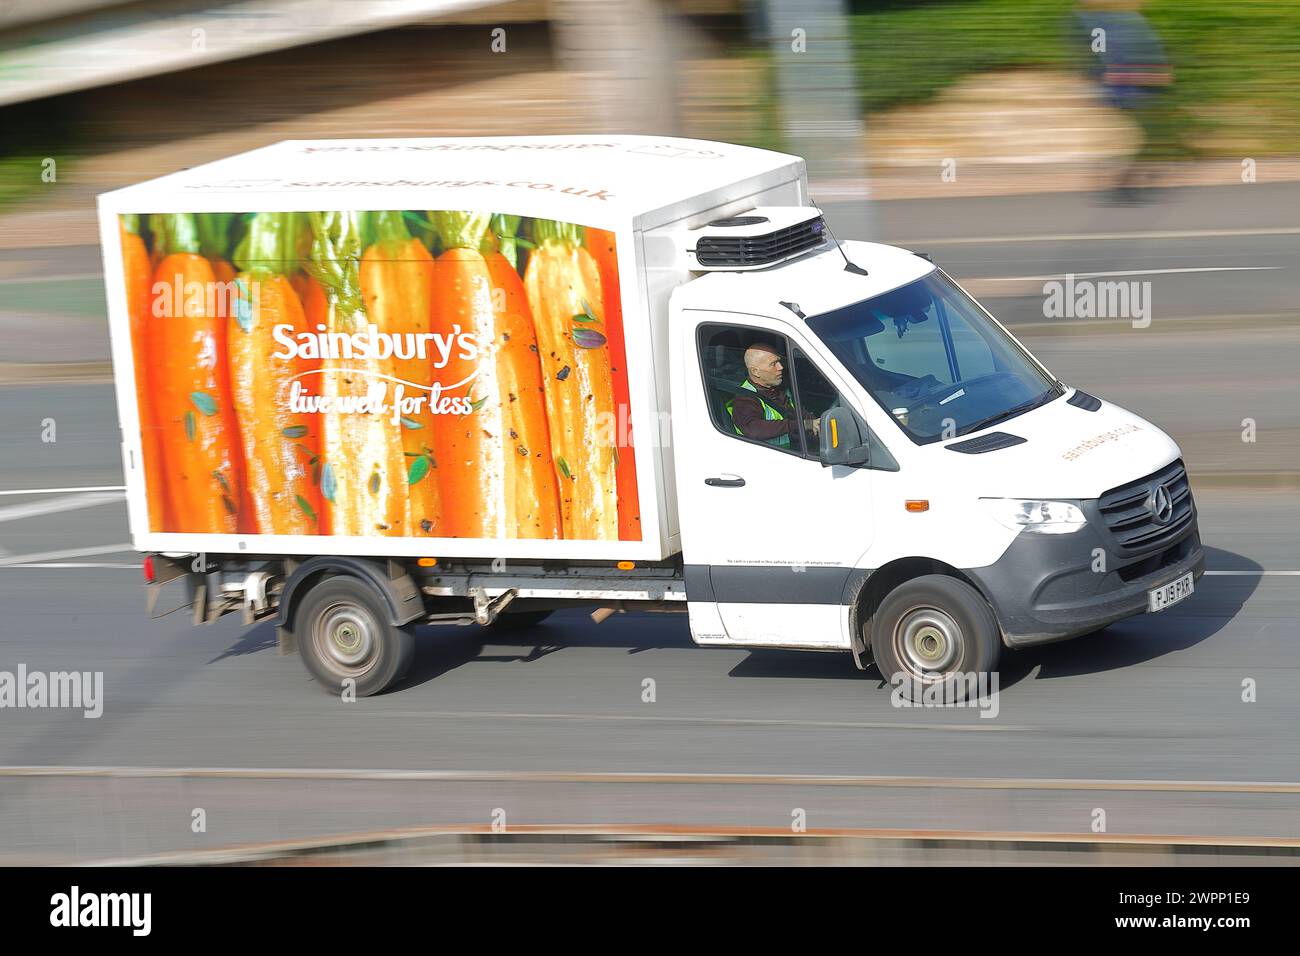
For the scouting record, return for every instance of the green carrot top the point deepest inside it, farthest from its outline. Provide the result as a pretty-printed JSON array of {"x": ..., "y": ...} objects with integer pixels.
[
  {"x": 551, "y": 230},
  {"x": 277, "y": 243},
  {"x": 214, "y": 234},
  {"x": 174, "y": 232},
  {"x": 460, "y": 230},
  {"x": 505, "y": 233},
  {"x": 388, "y": 226},
  {"x": 334, "y": 263}
]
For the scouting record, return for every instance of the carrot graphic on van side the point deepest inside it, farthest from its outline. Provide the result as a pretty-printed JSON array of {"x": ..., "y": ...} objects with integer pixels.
[
  {"x": 562, "y": 282},
  {"x": 496, "y": 462},
  {"x": 363, "y": 477}
]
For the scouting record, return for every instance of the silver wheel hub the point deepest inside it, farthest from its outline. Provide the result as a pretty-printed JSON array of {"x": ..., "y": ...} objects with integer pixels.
[
  {"x": 346, "y": 638},
  {"x": 928, "y": 642}
]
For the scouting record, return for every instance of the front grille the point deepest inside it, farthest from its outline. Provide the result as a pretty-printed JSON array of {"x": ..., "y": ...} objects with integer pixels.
[
  {"x": 722, "y": 251},
  {"x": 1129, "y": 518},
  {"x": 1158, "y": 561}
]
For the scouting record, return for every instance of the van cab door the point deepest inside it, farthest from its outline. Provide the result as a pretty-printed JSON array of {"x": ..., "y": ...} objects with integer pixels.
[{"x": 771, "y": 539}]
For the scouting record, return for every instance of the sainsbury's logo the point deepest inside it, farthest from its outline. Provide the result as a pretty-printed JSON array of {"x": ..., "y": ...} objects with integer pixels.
[
  {"x": 372, "y": 343},
  {"x": 386, "y": 394}
]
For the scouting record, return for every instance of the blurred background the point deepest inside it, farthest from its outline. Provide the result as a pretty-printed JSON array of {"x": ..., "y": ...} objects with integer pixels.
[{"x": 1016, "y": 141}]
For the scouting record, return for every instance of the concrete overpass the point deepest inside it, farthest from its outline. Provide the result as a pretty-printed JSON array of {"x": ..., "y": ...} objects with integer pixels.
[{"x": 50, "y": 47}]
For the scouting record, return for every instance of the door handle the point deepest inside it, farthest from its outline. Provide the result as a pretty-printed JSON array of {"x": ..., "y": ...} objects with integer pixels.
[{"x": 725, "y": 482}]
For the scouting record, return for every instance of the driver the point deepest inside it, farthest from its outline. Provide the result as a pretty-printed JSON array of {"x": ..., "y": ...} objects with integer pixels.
[{"x": 767, "y": 414}]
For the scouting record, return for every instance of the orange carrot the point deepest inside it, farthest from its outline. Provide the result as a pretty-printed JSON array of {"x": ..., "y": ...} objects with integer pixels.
[
  {"x": 315, "y": 307},
  {"x": 363, "y": 478},
  {"x": 144, "y": 328},
  {"x": 495, "y": 464},
  {"x": 600, "y": 243},
  {"x": 532, "y": 491},
  {"x": 214, "y": 245},
  {"x": 397, "y": 285},
  {"x": 312, "y": 297},
  {"x": 563, "y": 287},
  {"x": 200, "y": 438},
  {"x": 281, "y": 447},
  {"x": 223, "y": 271}
]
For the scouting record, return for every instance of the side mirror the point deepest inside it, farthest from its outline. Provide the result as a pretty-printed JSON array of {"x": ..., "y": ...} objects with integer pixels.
[{"x": 843, "y": 439}]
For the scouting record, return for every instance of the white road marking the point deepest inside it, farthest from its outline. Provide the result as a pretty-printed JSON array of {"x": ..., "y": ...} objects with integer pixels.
[
  {"x": 66, "y": 277},
  {"x": 71, "y": 564},
  {"x": 1118, "y": 324},
  {"x": 114, "y": 549},
  {"x": 656, "y": 777},
  {"x": 67, "y": 553},
  {"x": 5, "y": 515},
  {"x": 1103, "y": 236},
  {"x": 49, "y": 506},
  {"x": 48, "y": 559},
  {"x": 651, "y": 718},
  {"x": 1252, "y": 574},
  {"x": 60, "y": 491},
  {"x": 1128, "y": 272}
]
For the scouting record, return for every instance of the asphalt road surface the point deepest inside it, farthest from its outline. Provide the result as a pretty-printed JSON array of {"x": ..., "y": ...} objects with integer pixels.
[{"x": 1156, "y": 699}]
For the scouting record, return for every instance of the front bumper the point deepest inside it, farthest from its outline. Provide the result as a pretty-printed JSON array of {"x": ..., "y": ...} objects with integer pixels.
[{"x": 1052, "y": 587}]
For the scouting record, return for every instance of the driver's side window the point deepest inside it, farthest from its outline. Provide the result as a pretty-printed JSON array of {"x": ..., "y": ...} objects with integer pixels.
[
  {"x": 748, "y": 382},
  {"x": 763, "y": 389}
]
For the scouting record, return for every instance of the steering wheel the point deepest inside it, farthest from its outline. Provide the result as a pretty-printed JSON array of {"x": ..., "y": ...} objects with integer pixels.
[
  {"x": 930, "y": 399},
  {"x": 980, "y": 380},
  {"x": 918, "y": 389}
]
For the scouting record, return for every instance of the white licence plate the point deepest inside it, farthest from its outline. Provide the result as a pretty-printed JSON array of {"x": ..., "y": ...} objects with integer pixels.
[{"x": 1170, "y": 594}]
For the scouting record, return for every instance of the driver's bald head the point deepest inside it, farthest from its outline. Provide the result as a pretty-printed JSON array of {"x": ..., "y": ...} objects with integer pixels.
[
  {"x": 760, "y": 353},
  {"x": 763, "y": 363}
]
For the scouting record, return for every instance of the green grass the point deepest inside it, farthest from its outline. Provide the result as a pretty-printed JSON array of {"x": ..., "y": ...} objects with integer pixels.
[
  {"x": 906, "y": 53},
  {"x": 1236, "y": 62},
  {"x": 1237, "y": 71},
  {"x": 20, "y": 177},
  {"x": 30, "y": 133}
]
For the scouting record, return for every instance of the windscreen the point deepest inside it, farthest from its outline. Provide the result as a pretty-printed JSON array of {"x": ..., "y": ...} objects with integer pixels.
[{"x": 931, "y": 358}]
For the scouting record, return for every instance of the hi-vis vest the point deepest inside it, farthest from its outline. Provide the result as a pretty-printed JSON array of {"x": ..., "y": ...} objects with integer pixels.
[{"x": 769, "y": 413}]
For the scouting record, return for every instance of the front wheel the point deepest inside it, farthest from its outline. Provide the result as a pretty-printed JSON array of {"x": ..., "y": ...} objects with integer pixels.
[
  {"x": 931, "y": 631},
  {"x": 344, "y": 635}
]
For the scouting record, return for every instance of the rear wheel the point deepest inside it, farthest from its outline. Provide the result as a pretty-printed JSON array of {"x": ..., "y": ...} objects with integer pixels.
[
  {"x": 344, "y": 635},
  {"x": 932, "y": 630}
]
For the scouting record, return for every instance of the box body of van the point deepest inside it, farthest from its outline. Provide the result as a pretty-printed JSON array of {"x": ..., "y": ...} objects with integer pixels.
[{"x": 369, "y": 384}]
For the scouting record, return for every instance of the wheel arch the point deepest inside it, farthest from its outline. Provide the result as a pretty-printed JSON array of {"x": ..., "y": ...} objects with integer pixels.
[
  {"x": 389, "y": 579},
  {"x": 885, "y": 579}
]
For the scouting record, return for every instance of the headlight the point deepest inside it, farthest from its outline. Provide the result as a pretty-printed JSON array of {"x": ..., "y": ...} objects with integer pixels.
[{"x": 1034, "y": 516}]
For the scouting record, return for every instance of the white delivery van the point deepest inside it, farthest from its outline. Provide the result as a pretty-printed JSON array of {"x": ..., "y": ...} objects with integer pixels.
[{"x": 370, "y": 384}]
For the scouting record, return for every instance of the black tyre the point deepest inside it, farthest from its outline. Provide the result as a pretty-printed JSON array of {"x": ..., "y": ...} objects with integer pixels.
[
  {"x": 344, "y": 634},
  {"x": 932, "y": 629},
  {"x": 519, "y": 620}
]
